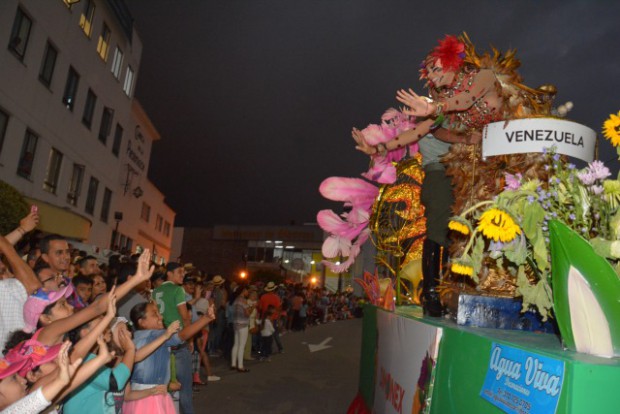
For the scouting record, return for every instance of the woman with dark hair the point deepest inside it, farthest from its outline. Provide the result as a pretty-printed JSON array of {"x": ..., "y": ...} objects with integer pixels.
[{"x": 241, "y": 321}]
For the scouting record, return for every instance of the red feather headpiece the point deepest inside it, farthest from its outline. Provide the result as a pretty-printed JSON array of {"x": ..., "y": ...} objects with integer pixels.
[{"x": 450, "y": 51}]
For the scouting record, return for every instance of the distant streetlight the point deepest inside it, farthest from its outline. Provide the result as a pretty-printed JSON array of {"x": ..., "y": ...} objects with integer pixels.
[
  {"x": 313, "y": 280},
  {"x": 243, "y": 275}
]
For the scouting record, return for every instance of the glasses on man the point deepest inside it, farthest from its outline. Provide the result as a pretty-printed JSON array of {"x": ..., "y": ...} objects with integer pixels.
[{"x": 56, "y": 276}]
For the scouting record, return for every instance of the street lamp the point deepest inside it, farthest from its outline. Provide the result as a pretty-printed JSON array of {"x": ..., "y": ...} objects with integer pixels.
[{"x": 243, "y": 274}]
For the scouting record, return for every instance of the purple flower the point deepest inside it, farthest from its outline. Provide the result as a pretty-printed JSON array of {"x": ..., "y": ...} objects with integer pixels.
[
  {"x": 572, "y": 217},
  {"x": 598, "y": 169},
  {"x": 597, "y": 189},
  {"x": 530, "y": 199},
  {"x": 586, "y": 177},
  {"x": 571, "y": 166},
  {"x": 513, "y": 182},
  {"x": 556, "y": 157}
]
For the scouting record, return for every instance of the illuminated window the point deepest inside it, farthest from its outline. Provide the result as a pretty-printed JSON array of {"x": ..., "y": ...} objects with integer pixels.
[
  {"x": 128, "y": 81},
  {"x": 20, "y": 34},
  {"x": 89, "y": 108},
  {"x": 87, "y": 17},
  {"x": 53, "y": 171},
  {"x": 26, "y": 158},
  {"x": 48, "y": 64},
  {"x": 71, "y": 86},
  {"x": 103, "y": 45},
  {"x": 117, "y": 63}
]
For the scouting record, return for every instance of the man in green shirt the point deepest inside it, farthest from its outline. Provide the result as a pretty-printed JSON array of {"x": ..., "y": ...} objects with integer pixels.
[{"x": 170, "y": 299}]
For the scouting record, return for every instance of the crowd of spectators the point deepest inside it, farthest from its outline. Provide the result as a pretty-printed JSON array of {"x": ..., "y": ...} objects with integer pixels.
[{"x": 127, "y": 336}]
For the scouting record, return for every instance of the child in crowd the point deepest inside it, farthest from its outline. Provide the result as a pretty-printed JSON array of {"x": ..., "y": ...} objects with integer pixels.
[
  {"x": 153, "y": 373},
  {"x": 266, "y": 334},
  {"x": 82, "y": 291}
]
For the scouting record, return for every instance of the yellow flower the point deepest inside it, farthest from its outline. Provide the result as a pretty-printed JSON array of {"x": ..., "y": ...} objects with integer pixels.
[
  {"x": 462, "y": 269},
  {"x": 611, "y": 129},
  {"x": 458, "y": 227},
  {"x": 497, "y": 225}
]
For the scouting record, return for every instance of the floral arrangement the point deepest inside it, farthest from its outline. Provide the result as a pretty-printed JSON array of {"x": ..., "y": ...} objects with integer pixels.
[
  {"x": 511, "y": 233},
  {"x": 349, "y": 230}
]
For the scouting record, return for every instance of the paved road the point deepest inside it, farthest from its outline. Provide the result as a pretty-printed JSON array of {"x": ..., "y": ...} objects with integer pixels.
[{"x": 298, "y": 381}]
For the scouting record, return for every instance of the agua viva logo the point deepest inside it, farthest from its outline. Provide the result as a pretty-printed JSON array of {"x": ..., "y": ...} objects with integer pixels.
[
  {"x": 534, "y": 370},
  {"x": 393, "y": 391}
]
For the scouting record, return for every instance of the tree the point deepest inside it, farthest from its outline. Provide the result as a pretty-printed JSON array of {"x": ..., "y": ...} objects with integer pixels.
[{"x": 13, "y": 208}]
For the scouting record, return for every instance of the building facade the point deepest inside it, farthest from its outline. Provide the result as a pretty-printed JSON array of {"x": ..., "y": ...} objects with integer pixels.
[{"x": 73, "y": 140}]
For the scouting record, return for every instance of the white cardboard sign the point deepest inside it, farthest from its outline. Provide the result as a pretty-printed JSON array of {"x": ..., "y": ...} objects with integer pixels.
[{"x": 534, "y": 134}]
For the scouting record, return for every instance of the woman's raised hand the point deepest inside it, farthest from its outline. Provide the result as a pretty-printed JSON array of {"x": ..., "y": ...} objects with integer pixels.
[
  {"x": 418, "y": 105},
  {"x": 362, "y": 145}
]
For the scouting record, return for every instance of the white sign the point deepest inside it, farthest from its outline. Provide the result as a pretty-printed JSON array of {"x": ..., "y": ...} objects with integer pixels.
[
  {"x": 404, "y": 345},
  {"x": 535, "y": 134}
]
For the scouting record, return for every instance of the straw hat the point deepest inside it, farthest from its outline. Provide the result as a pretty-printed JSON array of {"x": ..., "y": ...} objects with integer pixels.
[{"x": 270, "y": 286}]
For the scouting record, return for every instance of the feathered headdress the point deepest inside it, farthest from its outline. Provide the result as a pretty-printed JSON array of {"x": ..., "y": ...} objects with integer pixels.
[{"x": 451, "y": 52}]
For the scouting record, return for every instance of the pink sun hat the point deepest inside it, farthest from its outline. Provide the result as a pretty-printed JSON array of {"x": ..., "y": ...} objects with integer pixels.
[
  {"x": 38, "y": 301},
  {"x": 33, "y": 354},
  {"x": 7, "y": 368}
]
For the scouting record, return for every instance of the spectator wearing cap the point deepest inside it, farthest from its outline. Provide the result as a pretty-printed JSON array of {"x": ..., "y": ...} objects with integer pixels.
[
  {"x": 15, "y": 287},
  {"x": 270, "y": 298},
  {"x": 170, "y": 299},
  {"x": 220, "y": 298}
]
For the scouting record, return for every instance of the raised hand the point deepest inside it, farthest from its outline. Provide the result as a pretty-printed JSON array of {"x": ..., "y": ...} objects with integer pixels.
[
  {"x": 145, "y": 269},
  {"x": 66, "y": 370},
  {"x": 173, "y": 328},
  {"x": 29, "y": 222},
  {"x": 124, "y": 339},
  {"x": 362, "y": 145},
  {"x": 211, "y": 312},
  {"x": 418, "y": 105},
  {"x": 104, "y": 352},
  {"x": 111, "y": 311}
]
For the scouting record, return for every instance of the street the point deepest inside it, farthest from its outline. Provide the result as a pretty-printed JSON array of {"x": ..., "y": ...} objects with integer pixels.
[{"x": 315, "y": 374}]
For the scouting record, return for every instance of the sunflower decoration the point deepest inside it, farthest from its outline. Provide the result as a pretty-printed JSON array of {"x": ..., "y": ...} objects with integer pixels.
[
  {"x": 498, "y": 225},
  {"x": 611, "y": 129},
  {"x": 460, "y": 225}
]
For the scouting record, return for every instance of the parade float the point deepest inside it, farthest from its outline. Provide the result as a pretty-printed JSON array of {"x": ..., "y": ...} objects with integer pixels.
[{"x": 517, "y": 311}]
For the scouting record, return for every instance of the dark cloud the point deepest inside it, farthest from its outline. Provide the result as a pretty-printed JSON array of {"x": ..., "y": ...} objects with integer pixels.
[{"x": 255, "y": 100}]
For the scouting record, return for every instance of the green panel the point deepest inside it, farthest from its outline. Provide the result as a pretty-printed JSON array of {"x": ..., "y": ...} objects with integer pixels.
[
  {"x": 368, "y": 355},
  {"x": 590, "y": 382},
  {"x": 461, "y": 370}
]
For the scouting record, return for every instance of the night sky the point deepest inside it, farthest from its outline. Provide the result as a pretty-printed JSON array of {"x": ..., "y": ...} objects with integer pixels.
[{"x": 255, "y": 100}]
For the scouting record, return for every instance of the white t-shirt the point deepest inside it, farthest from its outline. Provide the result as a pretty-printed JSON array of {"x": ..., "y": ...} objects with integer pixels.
[
  {"x": 13, "y": 296},
  {"x": 268, "y": 328}
]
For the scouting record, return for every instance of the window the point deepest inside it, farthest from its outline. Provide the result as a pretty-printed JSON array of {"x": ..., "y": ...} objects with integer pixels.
[
  {"x": 53, "y": 171},
  {"x": 71, "y": 86},
  {"x": 118, "y": 139},
  {"x": 89, "y": 108},
  {"x": 47, "y": 66},
  {"x": 159, "y": 221},
  {"x": 88, "y": 15},
  {"x": 106, "y": 124},
  {"x": 128, "y": 81},
  {"x": 103, "y": 45},
  {"x": 117, "y": 63},
  {"x": 75, "y": 186},
  {"x": 4, "y": 121},
  {"x": 20, "y": 34},
  {"x": 91, "y": 197},
  {"x": 105, "y": 206},
  {"x": 26, "y": 158},
  {"x": 146, "y": 212},
  {"x": 166, "y": 229}
]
